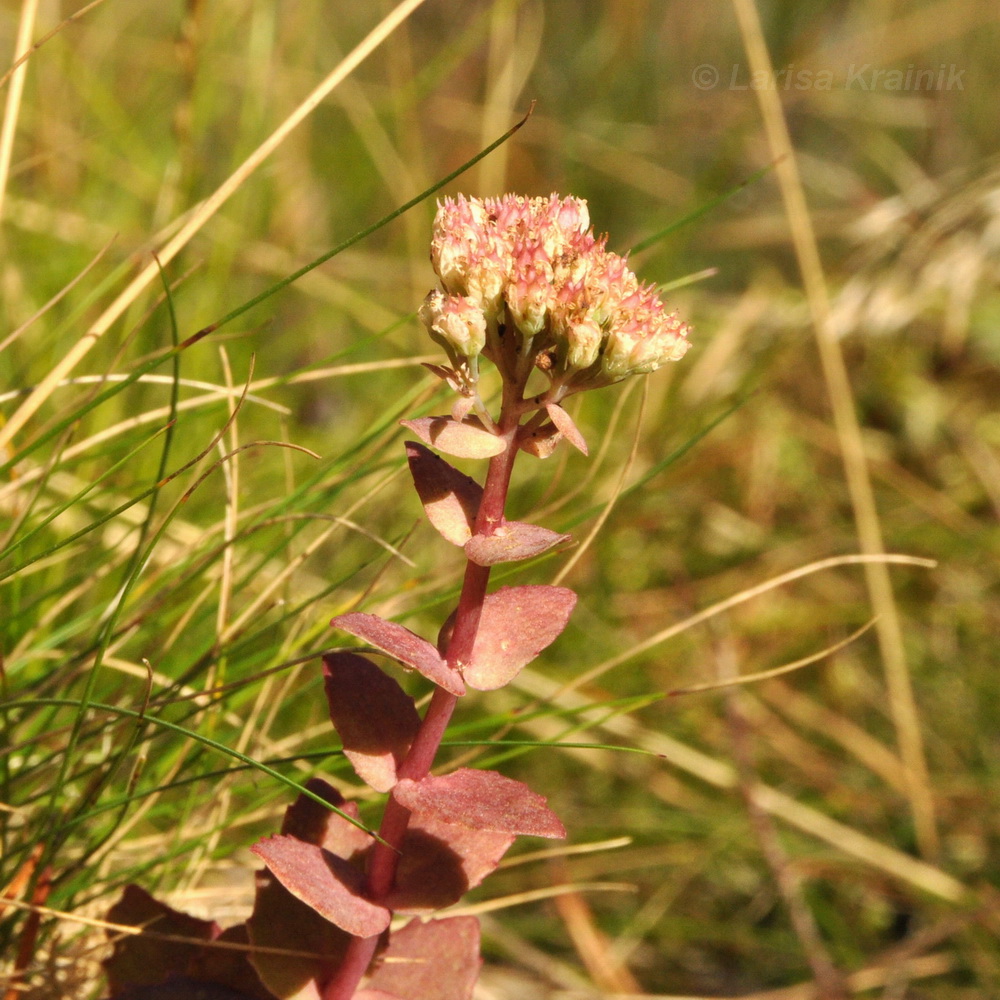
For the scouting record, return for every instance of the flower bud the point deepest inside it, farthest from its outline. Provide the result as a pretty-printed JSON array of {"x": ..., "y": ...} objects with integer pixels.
[
  {"x": 571, "y": 214},
  {"x": 583, "y": 341},
  {"x": 486, "y": 283},
  {"x": 456, "y": 322},
  {"x": 528, "y": 296},
  {"x": 642, "y": 344}
]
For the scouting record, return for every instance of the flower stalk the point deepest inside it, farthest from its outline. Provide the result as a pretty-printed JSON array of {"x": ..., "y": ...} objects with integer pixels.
[
  {"x": 526, "y": 285},
  {"x": 385, "y": 854}
]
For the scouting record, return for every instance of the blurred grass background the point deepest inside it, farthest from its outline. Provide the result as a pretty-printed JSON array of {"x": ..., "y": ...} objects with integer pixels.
[{"x": 772, "y": 846}]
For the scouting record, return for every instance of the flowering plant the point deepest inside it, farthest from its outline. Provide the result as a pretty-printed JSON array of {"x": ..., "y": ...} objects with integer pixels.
[{"x": 527, "y": 285}]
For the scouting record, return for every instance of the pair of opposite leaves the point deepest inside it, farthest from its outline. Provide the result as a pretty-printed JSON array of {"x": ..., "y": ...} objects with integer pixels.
[
  {"x": 462, "y": 823},
  {"x": 286, "y": 949}
]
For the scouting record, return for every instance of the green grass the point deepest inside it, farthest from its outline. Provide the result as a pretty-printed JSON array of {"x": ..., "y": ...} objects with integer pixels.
[{"x": 169, "y": 550}]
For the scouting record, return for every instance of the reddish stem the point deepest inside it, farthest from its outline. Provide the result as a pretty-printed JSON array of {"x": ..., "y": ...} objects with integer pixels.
[
  {"x": 29, "y": 933},
  {"x": 384, "y": 857}
]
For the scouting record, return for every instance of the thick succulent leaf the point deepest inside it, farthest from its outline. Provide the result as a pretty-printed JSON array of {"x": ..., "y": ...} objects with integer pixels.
[
  {"x": 465, "y": 439},
  {"x": 403, "y": 645},
  {"x": 305, "y": 818},
  {"x": 511, "y": 541},
  {"x": 566, "y": 426},
  {"x": 451, "y": 499},
  {"x": 375, "y": 995},
  {"x": 308, "y": 820},
  {"x": 482, "y": 800},
  {"x": 228, "y": 967},
  {"x": 331, "y": 886},
  {"x": 517, "y": 623},
  {"x": 146, "y": 961},
  {"x": 441, "y": 861},
  {"x": 436, "y": 960},
  {"x": 539, "y": 441},
  {"x": 280, "y": 920},
  {"x": 149, "y": 968},
  {"x": 373, "y": 715}
]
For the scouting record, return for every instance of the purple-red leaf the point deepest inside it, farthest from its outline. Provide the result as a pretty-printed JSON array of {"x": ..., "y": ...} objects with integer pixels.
[
  {"x": 511, "y": 541},
  {"x": 441, "y": 861},
  {"x": 307, "y": 820},
  {"x": 482, "y": 800},
  {"x": 331, "y": 886},
  {"x": 517, "y": 623},
  {"x": 375, "y": 718},
  {"x": 375, "y": 995},
  {"x": 280, "y": 921},
  {"x": 229, "y": 967},
  {"x": 450, "y": 498},
  {"x": 468, "y": 439},
  {"x": 146, "y": 961},
  {"x": 566, "y": 426},
  {"x": 403, "y": 645},
  {"x": 437, "y": 960},
  {"x": 151, "y": 968}
]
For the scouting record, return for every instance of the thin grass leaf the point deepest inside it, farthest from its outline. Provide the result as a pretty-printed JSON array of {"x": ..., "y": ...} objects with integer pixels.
[
  {"x": 364, "y": 233},
  {"x": 189, "y": 734}
]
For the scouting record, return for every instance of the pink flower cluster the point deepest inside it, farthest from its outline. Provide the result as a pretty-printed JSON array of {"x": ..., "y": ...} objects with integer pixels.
[{"x": 525, "y": 278}]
